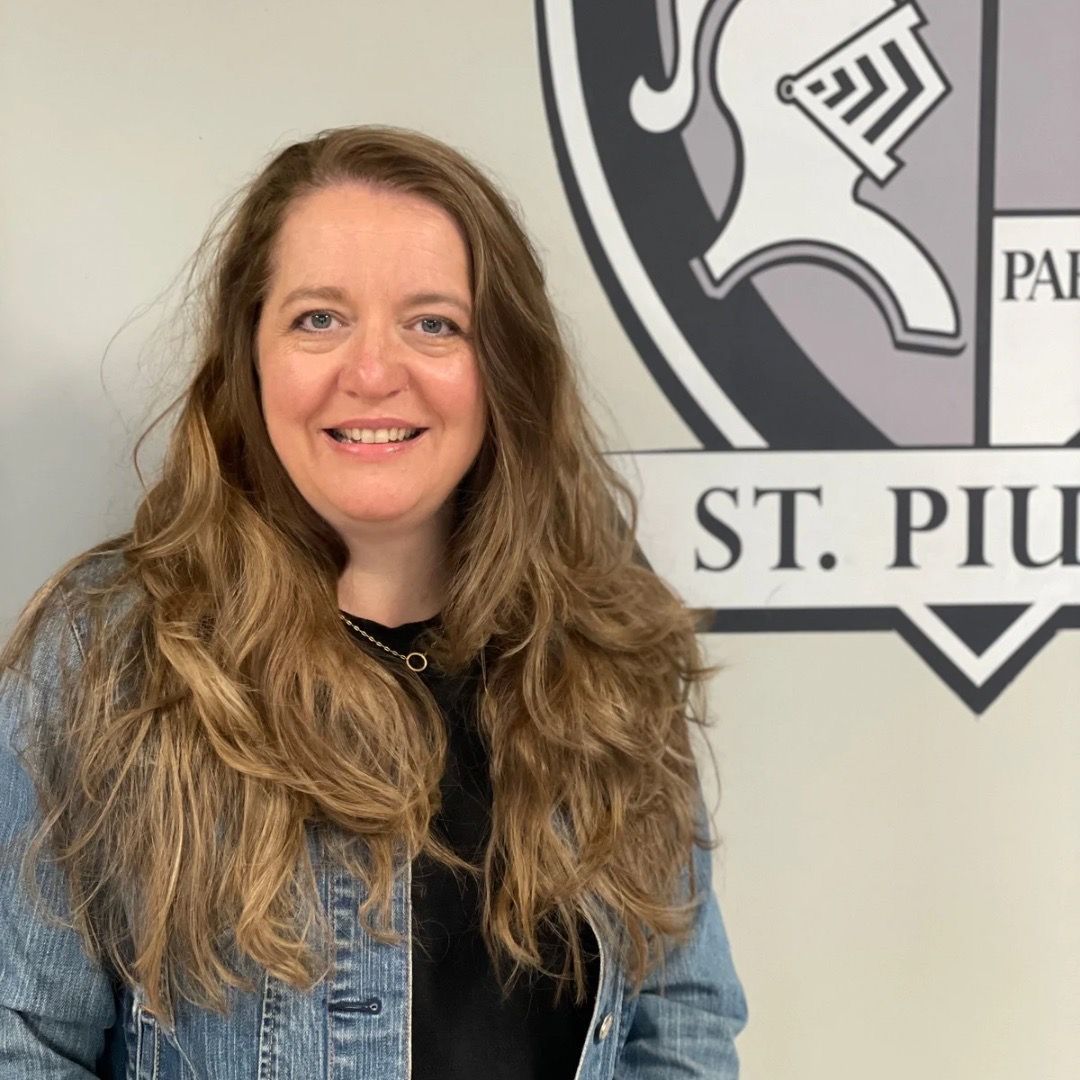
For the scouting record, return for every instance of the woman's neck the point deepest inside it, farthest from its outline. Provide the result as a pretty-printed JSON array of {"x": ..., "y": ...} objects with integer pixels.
[{"x": 394, "y": 579}]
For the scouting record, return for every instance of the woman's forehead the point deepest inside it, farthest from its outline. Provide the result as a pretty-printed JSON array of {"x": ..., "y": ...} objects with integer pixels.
[{"x": 350, "y": 215}]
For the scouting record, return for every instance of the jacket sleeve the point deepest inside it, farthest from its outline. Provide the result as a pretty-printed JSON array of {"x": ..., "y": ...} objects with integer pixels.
[
  {"x": 689, "y": 1011},
  {"x": 55, "y": 1003}
]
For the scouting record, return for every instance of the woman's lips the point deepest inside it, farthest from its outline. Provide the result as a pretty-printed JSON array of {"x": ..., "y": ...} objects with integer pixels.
[{"x": 374, "y": 451}]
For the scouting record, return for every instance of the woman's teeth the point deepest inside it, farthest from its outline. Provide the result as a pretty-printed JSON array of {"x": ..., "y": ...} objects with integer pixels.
[{"x": 373, "y": 435}]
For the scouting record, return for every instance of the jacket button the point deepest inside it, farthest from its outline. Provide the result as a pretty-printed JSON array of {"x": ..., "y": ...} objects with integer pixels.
[{"x": 603, "y": 1029}]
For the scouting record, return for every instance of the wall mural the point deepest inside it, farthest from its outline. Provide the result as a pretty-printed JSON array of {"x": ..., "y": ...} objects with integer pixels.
[{"x": 824, "y": 228}]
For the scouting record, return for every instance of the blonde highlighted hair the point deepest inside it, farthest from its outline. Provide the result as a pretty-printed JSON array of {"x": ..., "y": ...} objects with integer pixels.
[{"x": 221, "y": 712}]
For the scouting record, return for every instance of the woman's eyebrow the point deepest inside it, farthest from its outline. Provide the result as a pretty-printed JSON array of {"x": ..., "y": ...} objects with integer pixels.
[
  {"x": 417, "y": 299},
  {"x": 339, "y": 296},
  {"x": 316, "y": 292}
]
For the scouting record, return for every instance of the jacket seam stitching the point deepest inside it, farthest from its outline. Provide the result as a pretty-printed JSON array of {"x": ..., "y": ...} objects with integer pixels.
[
  {"x": 407, "y": 904},
  {"x": 72, "y": 624},
  {"x": 333, "y": 885},
  {"x": 266, "y": 1034}
]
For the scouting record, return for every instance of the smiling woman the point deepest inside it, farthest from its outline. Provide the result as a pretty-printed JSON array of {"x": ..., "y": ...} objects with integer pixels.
[
  {"x": 398, "y": 267},
  {"x": 366, "y": 751}
]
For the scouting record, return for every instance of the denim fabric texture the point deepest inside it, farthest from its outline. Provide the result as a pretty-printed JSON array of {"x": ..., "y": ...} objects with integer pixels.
[{"x": 62, "y": 1017}]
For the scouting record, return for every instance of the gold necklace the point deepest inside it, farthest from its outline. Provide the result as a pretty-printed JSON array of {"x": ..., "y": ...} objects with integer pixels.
[{"x": 415, "y": 661}]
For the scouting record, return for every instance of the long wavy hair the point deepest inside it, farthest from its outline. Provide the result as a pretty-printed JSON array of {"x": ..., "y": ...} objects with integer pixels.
[{"x": 221, "y": 716}]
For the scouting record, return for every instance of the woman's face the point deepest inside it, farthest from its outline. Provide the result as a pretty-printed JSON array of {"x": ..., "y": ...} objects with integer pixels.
[{"x": 364, "y": 332}]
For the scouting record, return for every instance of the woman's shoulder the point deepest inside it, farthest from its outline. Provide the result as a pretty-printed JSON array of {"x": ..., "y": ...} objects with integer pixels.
[
  {"x": 52, "y": 634},
  {"x": 46, "y": 653},
  {"x": 94, "y": 569},
  {"x": 96, "y": 575}
]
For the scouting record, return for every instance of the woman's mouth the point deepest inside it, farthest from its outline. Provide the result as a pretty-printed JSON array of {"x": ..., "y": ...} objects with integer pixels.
[
  {"x": 369, "y": 436},
  {"x": 374, "y": 445}
]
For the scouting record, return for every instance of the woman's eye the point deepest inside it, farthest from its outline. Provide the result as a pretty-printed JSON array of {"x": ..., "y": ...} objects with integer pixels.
[
  {"x": 315, "y": 321},
  {"x": 436, "y": 327}
]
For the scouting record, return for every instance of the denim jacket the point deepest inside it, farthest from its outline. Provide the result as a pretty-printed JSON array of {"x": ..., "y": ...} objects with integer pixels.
[{"x": 62, "y": 1017}]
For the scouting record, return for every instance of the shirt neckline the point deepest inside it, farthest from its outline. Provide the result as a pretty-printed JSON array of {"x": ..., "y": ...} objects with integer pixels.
[{"x": 397, "y": 637}]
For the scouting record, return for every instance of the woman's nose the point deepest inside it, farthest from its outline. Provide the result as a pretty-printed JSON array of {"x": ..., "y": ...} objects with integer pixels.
[{"x": 371, "y": 363}]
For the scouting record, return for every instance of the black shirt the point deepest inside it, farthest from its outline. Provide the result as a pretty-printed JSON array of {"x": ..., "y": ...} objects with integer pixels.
[{"x": 462, "y": 1025}]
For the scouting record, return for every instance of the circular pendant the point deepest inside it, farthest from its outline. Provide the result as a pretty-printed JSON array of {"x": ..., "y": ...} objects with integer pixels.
[{"x": 416, "y": 661}]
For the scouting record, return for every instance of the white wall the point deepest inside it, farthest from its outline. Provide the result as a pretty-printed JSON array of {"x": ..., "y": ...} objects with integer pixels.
[{"x": 900, "y": 879}]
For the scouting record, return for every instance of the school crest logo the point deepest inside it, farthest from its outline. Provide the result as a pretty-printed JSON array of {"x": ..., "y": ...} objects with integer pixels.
[{"x": 835, "y": 238}]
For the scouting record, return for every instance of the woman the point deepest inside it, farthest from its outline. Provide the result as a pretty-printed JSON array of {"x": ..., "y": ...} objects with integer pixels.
[{"x": 365, "y": 753}]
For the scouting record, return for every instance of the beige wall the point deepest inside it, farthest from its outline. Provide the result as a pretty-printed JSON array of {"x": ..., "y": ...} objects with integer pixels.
[{"x": 900, "y": 879}]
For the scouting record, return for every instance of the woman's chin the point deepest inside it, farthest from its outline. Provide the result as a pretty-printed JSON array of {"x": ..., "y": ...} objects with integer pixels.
[{"x": 369, "y": 517}]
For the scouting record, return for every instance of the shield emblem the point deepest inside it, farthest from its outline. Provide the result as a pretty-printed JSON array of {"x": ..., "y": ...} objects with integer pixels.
[{"x": 829, "y": 234}]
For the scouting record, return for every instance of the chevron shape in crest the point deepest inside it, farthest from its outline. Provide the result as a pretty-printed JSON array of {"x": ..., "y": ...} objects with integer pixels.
[{"x": 872, "y": 90}]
